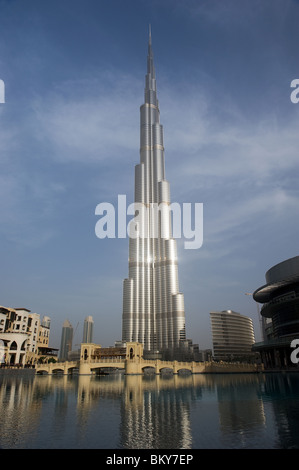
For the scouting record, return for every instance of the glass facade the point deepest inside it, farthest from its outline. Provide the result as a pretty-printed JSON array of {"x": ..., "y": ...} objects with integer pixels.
[
  {"x": 153, "y": 307},
  {"x": 88, "y": 330},
  {"x": 232, "y": 335},
  {"x": 66, "y": 341}
]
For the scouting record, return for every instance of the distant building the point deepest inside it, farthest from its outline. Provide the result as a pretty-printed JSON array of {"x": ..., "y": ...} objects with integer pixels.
[
  {"x": 45, "y": 351},
  {"x": 280, "y": 311},
  {"x": 66, "y": 340},
  {"x": 46, "y": 322},
  {"x": 232, "y": 335},
  {"x": 88, "y": 330},
  {"x": 25, "y": 337},
  {"x": 188, "y": 351},
  {"x": 205, "y": 355}
]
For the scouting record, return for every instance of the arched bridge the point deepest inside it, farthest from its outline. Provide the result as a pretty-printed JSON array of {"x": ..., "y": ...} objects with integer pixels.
[
  {"x": 83, "y": 367},
  {"x": 131, "y": 360}
]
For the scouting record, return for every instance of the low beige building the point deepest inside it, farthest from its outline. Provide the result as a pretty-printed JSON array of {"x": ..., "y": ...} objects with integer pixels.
[{"x": 25, "y": 339}]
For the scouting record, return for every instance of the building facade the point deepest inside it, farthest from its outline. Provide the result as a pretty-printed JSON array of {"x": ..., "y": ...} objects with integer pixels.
[
  {"x": 88, "y": 330},
  {"x": 280, "y": 309},
  {"x": 153, "y": 306},
  {"x": 66, "y": 340},
  {"x": 232, "y": 336},
  {"x": 25, "y": 336}
]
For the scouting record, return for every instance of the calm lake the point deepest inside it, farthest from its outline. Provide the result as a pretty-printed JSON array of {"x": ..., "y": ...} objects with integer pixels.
[{"x": 213, "y": 411}]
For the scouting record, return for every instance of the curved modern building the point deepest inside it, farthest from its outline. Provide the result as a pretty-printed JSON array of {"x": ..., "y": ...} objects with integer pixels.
[
  {"x": 153, "y": 306},
  {"x": 280, "y": 299},
  {"x": 232, "y": 335}
]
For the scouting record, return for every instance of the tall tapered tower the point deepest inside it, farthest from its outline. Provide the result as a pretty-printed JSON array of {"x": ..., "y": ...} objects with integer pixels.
[{"x": 153, "y": 307}]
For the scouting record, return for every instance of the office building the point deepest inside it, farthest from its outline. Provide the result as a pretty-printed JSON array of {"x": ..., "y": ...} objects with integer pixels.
[
  {"x": 66, "y": 340},
  {"x": 88, "y": 330},
  {"x": 232, "y": 336},
  {"x": 153, "y": 306},
  {"x": 280, "y": 309}
]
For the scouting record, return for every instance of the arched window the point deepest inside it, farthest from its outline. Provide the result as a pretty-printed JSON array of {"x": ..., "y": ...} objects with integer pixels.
[
  {"x": 23, "y": 345},
  {"x": 85, "y": 354},
  {"x": 13, "y": 346},
  {"x": 131, "y": 353}
]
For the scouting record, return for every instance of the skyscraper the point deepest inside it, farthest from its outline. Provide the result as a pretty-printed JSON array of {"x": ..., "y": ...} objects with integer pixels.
[
  {"x": 66, "y": 340},
  {"x": 153, "y": 307},
  {"x": 88, "y": 330}
]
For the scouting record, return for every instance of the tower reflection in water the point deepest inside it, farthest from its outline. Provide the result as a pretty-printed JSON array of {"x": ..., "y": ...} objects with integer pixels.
[
  {"x": 155, "y": 412},
  {"x": 139, "y": 412}
]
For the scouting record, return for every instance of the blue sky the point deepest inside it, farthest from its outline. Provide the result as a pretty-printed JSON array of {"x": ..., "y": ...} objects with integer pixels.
[{"x": 69, "y": 140}]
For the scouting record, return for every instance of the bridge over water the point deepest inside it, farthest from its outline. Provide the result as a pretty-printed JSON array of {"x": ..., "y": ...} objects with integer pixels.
[{"x": 133, "y": 363}]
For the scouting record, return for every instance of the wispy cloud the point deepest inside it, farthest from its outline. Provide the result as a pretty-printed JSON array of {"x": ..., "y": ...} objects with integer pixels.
[
  {"x": 244, "y": 168},
  {"x": 86, "y": 121}
]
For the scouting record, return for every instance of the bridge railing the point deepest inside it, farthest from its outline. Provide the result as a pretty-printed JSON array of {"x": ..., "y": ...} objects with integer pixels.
[
  {"x": 57, "y": 364},
  {"x": 170, "y": 363},
  {"x": 106, "y": 360}
]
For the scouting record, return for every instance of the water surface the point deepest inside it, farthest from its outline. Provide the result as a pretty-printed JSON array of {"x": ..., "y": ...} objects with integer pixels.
[{"x": 213, "y": 411}]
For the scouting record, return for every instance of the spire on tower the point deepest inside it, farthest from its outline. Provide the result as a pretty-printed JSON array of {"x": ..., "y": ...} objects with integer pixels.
[{"x": 150, "y": 56}]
